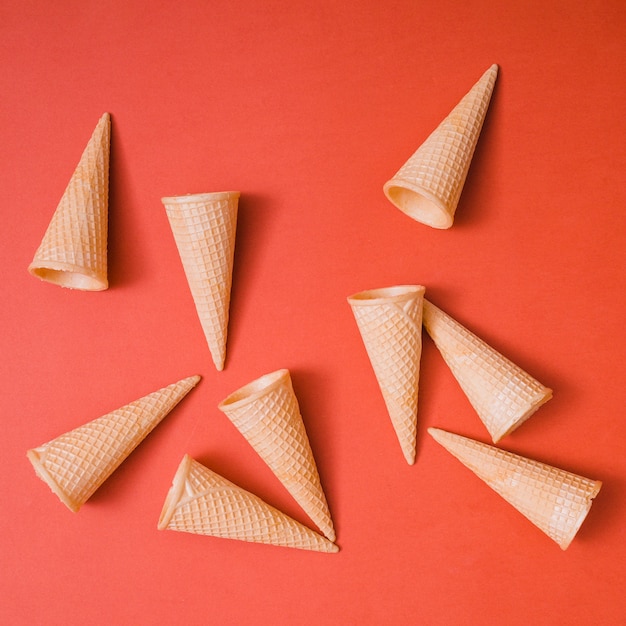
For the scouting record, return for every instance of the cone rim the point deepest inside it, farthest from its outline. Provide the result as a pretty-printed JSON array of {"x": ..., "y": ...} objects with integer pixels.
[
  {"x": 201, "y": 197},
  {"x": 255, "y": 389},
  {"x": 382, "y": 295},
  {"x": 35, "y": 458},
  {"x": 175, "y": 492},
  {"x": 418, "y": 203},
  {"x": 67, "y": 275}
]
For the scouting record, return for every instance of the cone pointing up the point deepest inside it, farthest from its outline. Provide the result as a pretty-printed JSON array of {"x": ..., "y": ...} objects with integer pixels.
[
  {"x": 267, "y": 414},
  {"x": 503, "y": 395},
  {"x": 75, "y": 464},
  {"x": 73, "y": 252},
  {"x": 390, "y": 323},
  {"x": 204, "y": 227},
  {"x": 554, "y": 500},
  {"x": 202, "y": 502},
  {"x": 428, "y": 186}
]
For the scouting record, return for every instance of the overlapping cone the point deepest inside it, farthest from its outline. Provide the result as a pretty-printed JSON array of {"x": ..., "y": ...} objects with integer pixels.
[
  {"x": 554, "y": 500},
  {"x": 267, "y": 414},
  {"x": 73, "y": 251},
  {"x": 204, "y": 227},
  {"x": 503, "y": 395},
  {"x": 428, "y": 186},
  {"x": 390, "y": 323},
  {"x": 202, "y": 502},
  {"x": 75, "y": 464}
]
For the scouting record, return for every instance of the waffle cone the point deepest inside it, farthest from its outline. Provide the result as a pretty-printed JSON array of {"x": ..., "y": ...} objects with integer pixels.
[
  {"x": 202, "y": 502},
  {"x": 503, "y": 395},
  {"x": 390, "y": 323},
  {"x": 75, "y": 464},
  {"x": 73, "y": 251},
  {"x": 554, "y": 500},
  {"x": 428, "y": 186},
  {"x": 267, "y": 414},
  {"x": 204, "y": 227}
]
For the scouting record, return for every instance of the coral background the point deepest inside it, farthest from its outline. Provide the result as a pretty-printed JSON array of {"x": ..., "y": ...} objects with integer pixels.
[{"x": 307, "y": 109}]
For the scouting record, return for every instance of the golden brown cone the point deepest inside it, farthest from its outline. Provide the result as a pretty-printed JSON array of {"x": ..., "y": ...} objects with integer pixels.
[
  {"x": 267, "y": 414},
  {"x": 503, "y": 395},
  {"x": 73, "y": 251},
  {"x": 390, "y": 323},
  {"x": 428, "y": 186},
  {"x": 554, "y": 500},
  {"x": 204, "y": 227},
  {"x": 75, "y": 464},
  {"x": 202, "y": 502}
]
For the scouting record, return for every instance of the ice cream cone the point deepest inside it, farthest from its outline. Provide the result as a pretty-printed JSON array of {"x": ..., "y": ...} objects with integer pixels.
[
  {"x": 390, "y": 323},
  {"x": 503, "y": 395},
  {"x": 73, "y": 251},
  {"x": 267, "y": 414},
  {"x": 554, "y": 500},
  {"x": 75, "y": 464},
  {"x": 204, "y": 227},
  {"x": 428, "y": 186},
  {"x": 202, "y": 502}
]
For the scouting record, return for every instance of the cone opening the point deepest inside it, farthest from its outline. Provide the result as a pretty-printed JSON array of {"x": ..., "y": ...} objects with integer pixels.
[
  {"x": 564, "y": 543},
  {"x": 175, "y": 492},
  {"x": 68, "y": 276},
  {"x": 42, "y": 472},
  {"x": 201, "y": 197},
  {"x": 376, "y": 296},
  {"x": 417, "y": 205},
  {"x": 516, "y": 422},
  {"x": 255, "y": 389}
]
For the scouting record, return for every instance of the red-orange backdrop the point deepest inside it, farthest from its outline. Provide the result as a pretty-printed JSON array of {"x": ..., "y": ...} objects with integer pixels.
[{"x": 307, "y": 109}]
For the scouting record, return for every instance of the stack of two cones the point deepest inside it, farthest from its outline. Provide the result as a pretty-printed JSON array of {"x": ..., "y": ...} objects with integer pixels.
[
  {"x": 504, "y": 396},
  {"x": 267, "y": 414}
]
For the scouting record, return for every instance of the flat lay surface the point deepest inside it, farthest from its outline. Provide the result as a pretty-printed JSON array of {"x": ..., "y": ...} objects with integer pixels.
[{"x": 307, "y": 110}]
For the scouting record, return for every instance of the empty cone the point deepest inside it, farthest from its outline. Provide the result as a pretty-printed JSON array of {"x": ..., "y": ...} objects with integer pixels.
[
  {"x": 390, "y": 323},
  {"x": 204, "y": 227},
  {"x": 503, "y": 395},
  {"x": 267, "y": 414},
  {"x": 73, "y": 251},
  {"x": 428, "y": 186},
  {"x": 202, "y": 502},
  {"x": 75, "y": 464},
  {"x": 554, "y": 500}
]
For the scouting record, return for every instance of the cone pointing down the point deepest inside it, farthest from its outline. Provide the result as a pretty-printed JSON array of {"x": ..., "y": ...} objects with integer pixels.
[
  {"x": 503, "y": 395},
  {"x": 267, "y": 414},
  {"x": 202, "y": 502},
  {"x": 73, "y": 251},
  {"x": 390, "y": 323},
  {"x": 554, "y": 500},
  {"x": 204, "y": 227},
  {"x": 428, "y": 186},
  {"x": 75, "y": 464}
]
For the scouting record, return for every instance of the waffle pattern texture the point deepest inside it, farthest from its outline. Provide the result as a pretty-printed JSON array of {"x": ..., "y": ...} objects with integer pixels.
[
  {"x": 75, "y": 464},
  {"x": 503, "y": 395},
  {"x": 554, "y": 500},
  {"x": 267, "y": 414},
  {"x": 390, "y": 323},
  {"x": 73, "y": 251},
  {"x": 204, "y": 228},
  {"x": 202, "y": 502},
  {"x": 428, "y": 186}
]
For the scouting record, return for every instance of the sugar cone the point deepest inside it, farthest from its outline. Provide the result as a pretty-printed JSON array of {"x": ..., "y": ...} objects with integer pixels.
[
  {"x": 73, "y": 252},
  {"x": 503, "y": 395},
  {"x": 267, "y": 414},
  {"x": 428, "y": 186},
  {"x": 204, "y": 228},
  {"x": 75, "y": 464},
  {"x": 202, "y": 502},
  {"x": 390, "y": 323},
  {"x": 554, "y": 500}
]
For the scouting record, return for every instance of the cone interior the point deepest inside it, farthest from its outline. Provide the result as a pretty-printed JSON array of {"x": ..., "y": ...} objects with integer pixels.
[
  {"x": 250, "y": 392},
  {"x": 419, "y": 205}
]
